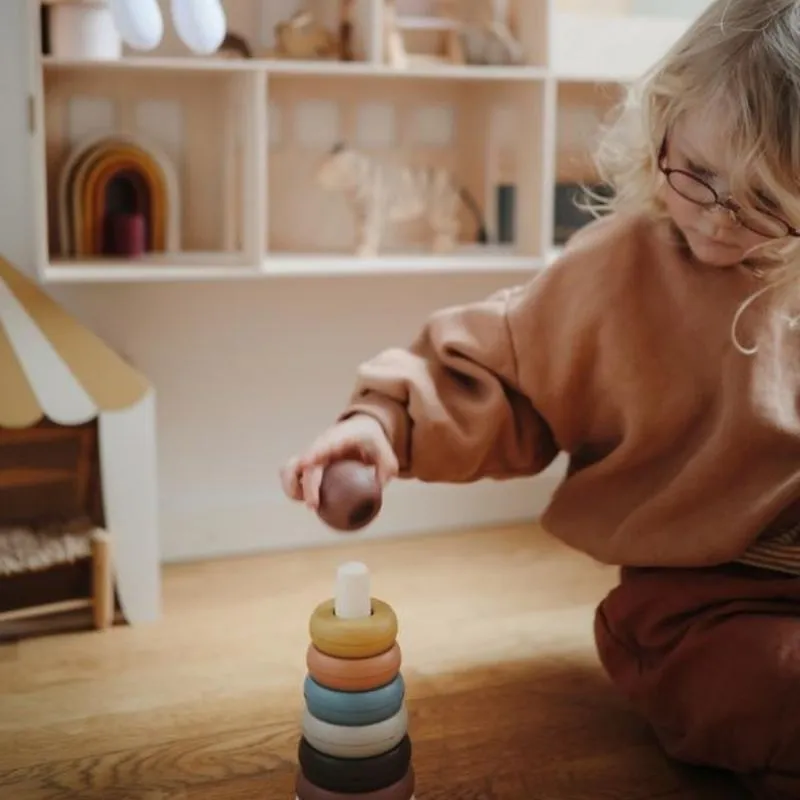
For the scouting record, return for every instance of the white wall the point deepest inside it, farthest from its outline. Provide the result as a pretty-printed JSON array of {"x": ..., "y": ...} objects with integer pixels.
[
  {"x": 221, "y": 357},
  {"x": 686, "y": 9}
]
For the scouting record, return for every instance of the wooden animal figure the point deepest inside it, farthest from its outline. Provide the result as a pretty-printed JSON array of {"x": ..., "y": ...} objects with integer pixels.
[
  {"x": 383, "y": 194},
  {"x": 302, "y": 36}
]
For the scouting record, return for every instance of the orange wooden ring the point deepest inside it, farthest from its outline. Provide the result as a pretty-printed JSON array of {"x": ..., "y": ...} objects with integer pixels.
[{"x": 354, "y": 674}]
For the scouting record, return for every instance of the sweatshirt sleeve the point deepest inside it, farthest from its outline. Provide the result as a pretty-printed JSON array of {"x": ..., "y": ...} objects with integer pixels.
[{"x": 451, "y": 402}]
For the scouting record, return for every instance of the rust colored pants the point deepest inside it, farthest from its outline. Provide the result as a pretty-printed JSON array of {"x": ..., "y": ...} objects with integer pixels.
[{"x": 711, "y": 659}]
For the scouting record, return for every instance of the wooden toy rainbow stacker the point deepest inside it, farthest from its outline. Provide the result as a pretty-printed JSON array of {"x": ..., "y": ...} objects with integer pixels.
[{"x": 355, "y": 741}]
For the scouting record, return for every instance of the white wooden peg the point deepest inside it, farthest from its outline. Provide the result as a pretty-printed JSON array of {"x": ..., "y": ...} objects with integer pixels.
[{"x": 352, "y": 596}]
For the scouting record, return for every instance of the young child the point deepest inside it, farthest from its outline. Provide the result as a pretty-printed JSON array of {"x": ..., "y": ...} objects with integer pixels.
[{"x": 661, "y": 354}]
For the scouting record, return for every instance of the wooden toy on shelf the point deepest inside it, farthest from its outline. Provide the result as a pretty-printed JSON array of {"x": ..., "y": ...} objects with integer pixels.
[
  {"x": 81, "y": 29},
  {"x": 456, "y": 32},
  {"x": 382, "y": 194},
  {"x": 200, "y": 24},
  {"x": 401, "y": 31},
  {"x": 303, "y": 36},
  {"x": 118, "y": 196},
  {"x": 487, "y": 39},
  {"x": 355, "y": 738}
]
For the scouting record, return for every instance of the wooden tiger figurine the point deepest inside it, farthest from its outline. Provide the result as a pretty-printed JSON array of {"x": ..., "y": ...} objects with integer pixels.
[{"x": 382, "y": 194}]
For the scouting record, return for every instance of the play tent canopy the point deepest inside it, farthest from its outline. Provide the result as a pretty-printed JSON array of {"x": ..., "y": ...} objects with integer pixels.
[{"x": 53, "y": 367}]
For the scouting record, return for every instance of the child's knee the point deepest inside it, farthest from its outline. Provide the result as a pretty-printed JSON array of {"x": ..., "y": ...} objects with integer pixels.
[
  {"x": 742, "y": 729},
  {"x": 729, "y": 696},
  {"x": 725, "y": 694}
]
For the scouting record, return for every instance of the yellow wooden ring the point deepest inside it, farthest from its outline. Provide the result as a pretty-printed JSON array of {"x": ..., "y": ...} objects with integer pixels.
[{"x": 353, "y": 638}]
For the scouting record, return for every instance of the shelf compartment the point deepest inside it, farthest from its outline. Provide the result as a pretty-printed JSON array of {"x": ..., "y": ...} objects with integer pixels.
[
  {"x": 418, "y": 32},
  {"x": 288, "y": 27},
  {"x": 583, "y": 108},
  {"x": 487, "y": 135},
  {"x": 137, "y": 175}
]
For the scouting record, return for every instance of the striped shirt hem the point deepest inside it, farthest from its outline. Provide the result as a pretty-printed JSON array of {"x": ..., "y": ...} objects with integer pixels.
[{"x": 779, "y": 553}]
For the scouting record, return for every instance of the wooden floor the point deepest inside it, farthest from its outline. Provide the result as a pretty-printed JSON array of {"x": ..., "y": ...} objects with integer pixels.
[{"x": 506, "y": 697}]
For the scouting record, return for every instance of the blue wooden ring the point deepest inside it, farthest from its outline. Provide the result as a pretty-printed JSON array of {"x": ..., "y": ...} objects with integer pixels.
[{"x": 354, "y": 708}]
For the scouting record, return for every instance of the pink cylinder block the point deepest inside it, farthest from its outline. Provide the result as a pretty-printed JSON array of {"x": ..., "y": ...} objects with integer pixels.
[{"x": 129, "y": 235}]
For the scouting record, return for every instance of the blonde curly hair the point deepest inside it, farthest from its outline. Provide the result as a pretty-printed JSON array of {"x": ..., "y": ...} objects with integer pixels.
[{"x": 740, "y": 61}]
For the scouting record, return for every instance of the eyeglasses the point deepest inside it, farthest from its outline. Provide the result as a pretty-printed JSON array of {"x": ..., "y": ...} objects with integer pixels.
[{"x": 696, "y": 190}]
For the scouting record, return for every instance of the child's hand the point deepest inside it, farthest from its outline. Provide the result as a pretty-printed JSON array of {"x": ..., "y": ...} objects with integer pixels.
[{"x": 360, "y": 437}]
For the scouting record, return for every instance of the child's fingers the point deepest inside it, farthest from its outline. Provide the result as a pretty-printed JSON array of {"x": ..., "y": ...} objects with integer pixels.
[
  {"x": 379, "y": 452},
  {"x": 328, "y": 449},
  {"x": 290, "y": 480},
  {"x": 321, "y": 452},
  {"x": 311, "y": 480},
  {"x": 387, "y": 468},
  {"x": 364, "y": 443}
]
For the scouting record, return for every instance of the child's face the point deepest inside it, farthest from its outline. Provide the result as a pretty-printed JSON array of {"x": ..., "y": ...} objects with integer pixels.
[{"x": 713, "y": 234}]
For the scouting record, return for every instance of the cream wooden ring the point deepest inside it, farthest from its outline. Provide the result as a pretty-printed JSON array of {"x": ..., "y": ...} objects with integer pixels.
[
  {"x": 362, "y": 637},
  {"x": 359, "y": 741}
]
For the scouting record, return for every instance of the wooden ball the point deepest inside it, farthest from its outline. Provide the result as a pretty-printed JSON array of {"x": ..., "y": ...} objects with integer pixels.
[{"x": 350, "y": 495}]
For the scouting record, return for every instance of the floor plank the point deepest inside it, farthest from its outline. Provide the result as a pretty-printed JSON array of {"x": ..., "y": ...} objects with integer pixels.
[{"x": 506, "y": 697}]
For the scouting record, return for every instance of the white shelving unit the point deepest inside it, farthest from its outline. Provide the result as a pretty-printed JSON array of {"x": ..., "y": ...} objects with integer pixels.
[{"x": 222, "y": 153}]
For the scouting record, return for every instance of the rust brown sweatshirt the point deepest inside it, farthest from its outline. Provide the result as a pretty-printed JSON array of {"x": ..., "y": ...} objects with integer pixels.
[{"x": 682, "y": 449}]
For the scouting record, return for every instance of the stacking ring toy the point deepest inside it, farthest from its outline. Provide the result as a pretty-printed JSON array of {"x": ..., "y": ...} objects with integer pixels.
[
  {"x": 353, "y": 775},
  {"x": 361, "y": 637},
  {"x": 353, "y": 675},
  {"x": 354, "y": 708},
  {"x": 402, "y": 790},
  {"x": 355, "y": 741}
]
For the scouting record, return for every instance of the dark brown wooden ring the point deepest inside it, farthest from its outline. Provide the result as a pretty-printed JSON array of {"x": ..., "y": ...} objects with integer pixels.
[
  {"x": 402, "y": 790},
  {"x": 353, "y": 775},
  {"x": 353, "y": 674}
]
